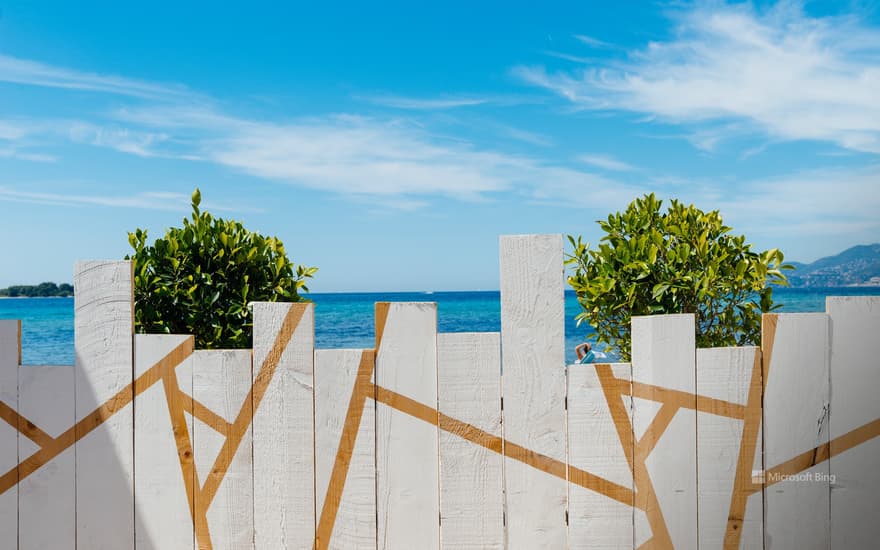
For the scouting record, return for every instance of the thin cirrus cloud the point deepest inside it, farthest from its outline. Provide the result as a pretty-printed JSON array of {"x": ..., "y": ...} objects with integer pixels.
[
  {"x": 362, "y": 156},
  {"x": 785, "y": 74},
  {"x": 606, "y": 162}
]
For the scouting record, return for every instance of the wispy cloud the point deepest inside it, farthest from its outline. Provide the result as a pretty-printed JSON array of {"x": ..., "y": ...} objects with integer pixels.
[
  {"x": 785, "y": 74},
  {"x": 154, "y": 200},
  {"x": 33, "y": 73},
  {"x": 606, "y": 162},
  {"x": 591, "y": 41},
  {"x": 426, "y": 104}
]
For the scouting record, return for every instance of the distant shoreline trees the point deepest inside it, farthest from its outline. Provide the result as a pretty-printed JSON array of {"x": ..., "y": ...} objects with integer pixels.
[{"x": 42, "y": 290}]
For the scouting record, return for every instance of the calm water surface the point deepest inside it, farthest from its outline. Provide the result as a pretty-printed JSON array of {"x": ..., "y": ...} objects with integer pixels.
[{"x": 345, "y": 320}]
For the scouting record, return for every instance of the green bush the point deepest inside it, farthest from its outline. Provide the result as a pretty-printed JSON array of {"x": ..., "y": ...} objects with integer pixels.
[
  {"x": 682, "y": 260},
  {"x": 198, "y": 279}
]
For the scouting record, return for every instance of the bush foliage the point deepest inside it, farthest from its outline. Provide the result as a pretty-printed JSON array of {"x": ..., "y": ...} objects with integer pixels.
[
  {"x": 682, "y": 260},
  {"x": 198, "y": 279}
]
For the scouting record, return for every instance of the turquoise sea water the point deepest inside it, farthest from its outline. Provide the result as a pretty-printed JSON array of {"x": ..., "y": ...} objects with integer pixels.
[{"x": 345, "y": 320}]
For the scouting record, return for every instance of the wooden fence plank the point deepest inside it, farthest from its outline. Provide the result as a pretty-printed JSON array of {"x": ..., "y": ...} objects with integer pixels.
[
  {"x": 103, "y": 329},
  {"x": 471, "y": 482},
  {"x": 725, "y": 374},
  {"x": 283, "y": 429},
  {"x": 163, "y": 488},
  {"x": 665, "y": 477},
  {"x": 407, "y": 484},
  {"x": 599, "y": 520},
  {"x": 855, "y": 385},
  {"x": 47, "y": 498},
  {"x": 533, "y": 386},
  {"x": 10, "y": 357},
  {"x": 796, "y": 410},
  {"x": 221, "y": 383},
  {"x": 349, "y": 505}
]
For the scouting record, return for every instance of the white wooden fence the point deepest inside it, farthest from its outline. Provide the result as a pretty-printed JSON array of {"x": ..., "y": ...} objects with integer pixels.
[{"x": 422, "y": 443}]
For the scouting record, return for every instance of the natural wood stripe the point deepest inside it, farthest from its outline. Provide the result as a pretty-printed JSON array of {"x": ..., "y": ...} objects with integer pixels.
[
  {"x": 686, "y": 400},
  {"x": 363, "y": 388},
  {"x": 206, "y": 415},
  {"x": 23, "y": 425},
  {"x": 742, "y": 484},
  {"x": 85, "y": 426},
  {"x": 382, "y": 309},
  {"x": 655, "y": 430},
  {"x": 252, "y": 401},
  {"x": 808, "y": 459},
  {"x": 177, "y": 400},
  {"x": 494, "y": 443},
  {"x": 645, "y": 497}
]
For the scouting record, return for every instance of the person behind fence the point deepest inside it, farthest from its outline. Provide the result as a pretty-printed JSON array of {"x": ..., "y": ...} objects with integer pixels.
[{"x": 584, "y": 353}]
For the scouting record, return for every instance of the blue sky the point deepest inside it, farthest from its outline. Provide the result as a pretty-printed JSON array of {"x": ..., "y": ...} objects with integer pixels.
[{"x": 390, "y": 146}]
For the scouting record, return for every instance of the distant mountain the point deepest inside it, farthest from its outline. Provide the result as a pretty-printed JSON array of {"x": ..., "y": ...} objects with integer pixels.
[
  {"x": 856, "y": 266},
  {"x": 42, "y": 290}
]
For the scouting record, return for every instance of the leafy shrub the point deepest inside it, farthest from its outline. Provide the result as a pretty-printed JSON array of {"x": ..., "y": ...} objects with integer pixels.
[
  {"x": 683, "y": 260},
  {"x": 198, "y": 279}
]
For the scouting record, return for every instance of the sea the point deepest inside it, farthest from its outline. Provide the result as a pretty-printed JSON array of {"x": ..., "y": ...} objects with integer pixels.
[{"x": 345, "y": 320}]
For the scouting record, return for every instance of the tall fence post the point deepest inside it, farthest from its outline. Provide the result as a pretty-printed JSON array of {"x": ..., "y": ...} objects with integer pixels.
[{"x": 533, "y": 388}]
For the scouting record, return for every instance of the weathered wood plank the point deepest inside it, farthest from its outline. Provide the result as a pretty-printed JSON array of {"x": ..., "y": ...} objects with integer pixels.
[
  {"x": 724, "y": 374},
  {"x": 796, "y": 410},
  {"x": 350, "y": 505},
  {"x": 664, "y": 355},
  {"x": 471, "y": 481},
  {"x": 221, "y": 383},
  {"x": 533, "y": 386},
  {"x": 10, "y": 357},
  {"x": 47, "y": 498},
  {"x": 103, "y": 329},
  {"x": 284, "y": 490},
  {"x": 599, "y": 520},
  {"x": 163, "y": 487},
  {"x": 407, "y": 484},
  {"x": 855, "y": 385}
]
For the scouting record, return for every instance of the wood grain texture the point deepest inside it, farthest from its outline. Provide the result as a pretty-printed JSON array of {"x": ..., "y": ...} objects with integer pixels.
[
  {"x": 724, "y": 374},
  {"x": 594, "y": 445},
  {"x": 354, "y": 523},
  {"x": 664, "y": 354},
  {"x": 796, "y": 411},
  {"x": 855, "y": 401},
  {"x": 284, "y": 490},
  {"x": 407, "y": 484},
  {"x": 10, "y": 353},
  {"x": 103, "y": 329},
  {"x": 533, "y": 385},
  {"x": 471, "y": 482},
  {"x": 163, "y": 516},
  {"x": 47, "y": 499},
  {"x": 221, "y": 382}
]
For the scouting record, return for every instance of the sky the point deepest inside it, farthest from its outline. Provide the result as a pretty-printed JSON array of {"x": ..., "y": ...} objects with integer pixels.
[{"x": 391, "y": 145}]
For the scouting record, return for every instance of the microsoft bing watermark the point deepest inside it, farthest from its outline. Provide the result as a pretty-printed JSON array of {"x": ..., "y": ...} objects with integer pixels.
[{"x": 761, "y": 477}]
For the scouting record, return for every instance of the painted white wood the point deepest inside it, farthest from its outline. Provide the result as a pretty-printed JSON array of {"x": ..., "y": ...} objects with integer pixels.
[
  {"x": 354, "y": 526},
  {"x": 284, "y": 490},
  {"x": 664, "y": 354},
  {"x": 597, "y": 521},
  {"x": 796, "y": 410},
  {"x": 855, "y": 386},
  {"x": 103, "y": 329},
  {"x": 533, "y": 385},
  {"x": 407, "y": 484},
  {"x": 221, "y": 382},
  {"x": 163, "y": 517},
  {"x": 46, "y": 498},
  {"x": 471, "y": 481},
  {"x": 10, "y": 354},
  {"x": 724, "y": 374}
]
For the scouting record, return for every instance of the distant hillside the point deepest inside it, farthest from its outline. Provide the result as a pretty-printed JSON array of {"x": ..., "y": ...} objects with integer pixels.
[
  {"x": 42, "y": 290},
  {"x": 856, "y": 266}
]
